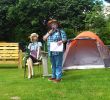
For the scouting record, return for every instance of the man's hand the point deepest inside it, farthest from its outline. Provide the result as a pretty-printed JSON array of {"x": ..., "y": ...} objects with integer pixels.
[
  {"x": 51, "y": 31},
  {"x": 59, "y": 42},
  {"x": 47, "y": 35}
]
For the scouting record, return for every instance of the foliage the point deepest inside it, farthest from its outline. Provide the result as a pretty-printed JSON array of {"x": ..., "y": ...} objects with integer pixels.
[{"x": 19, "y": 18}]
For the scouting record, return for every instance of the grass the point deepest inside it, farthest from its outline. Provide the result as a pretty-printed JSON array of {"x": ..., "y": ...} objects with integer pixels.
[{"x": 91, "y": 84}]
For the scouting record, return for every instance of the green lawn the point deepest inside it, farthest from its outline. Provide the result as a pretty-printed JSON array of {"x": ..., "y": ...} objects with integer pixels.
[{"x": 76, "y": 85}]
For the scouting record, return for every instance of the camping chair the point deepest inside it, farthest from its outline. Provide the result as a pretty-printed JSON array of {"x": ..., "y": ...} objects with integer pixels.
[{"x": 38, "y": 63}]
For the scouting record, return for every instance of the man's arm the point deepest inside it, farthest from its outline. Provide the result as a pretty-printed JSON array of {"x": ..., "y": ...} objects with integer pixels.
[{"x": 45, "y": 37}]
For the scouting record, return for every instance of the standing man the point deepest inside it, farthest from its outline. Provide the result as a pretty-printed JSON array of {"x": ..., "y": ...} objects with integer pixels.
[{"x": 55, "y": 34}]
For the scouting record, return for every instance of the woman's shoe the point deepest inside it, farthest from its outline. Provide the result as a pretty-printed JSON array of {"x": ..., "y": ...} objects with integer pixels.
[{"x": 29, "y": 77}]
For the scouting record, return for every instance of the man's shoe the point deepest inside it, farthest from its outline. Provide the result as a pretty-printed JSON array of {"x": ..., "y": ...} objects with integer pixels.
[
  {"x": 57, "y": 80},
  {"x": 51, "y": 79}
]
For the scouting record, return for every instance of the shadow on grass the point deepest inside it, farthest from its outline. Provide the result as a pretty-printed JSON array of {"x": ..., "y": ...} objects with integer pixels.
[
  {"x": 72, "y": 77},
  {"x": 37, "y": 76},
  {"x": 69, "y": 75},
  {"x": 8, "y": 67}
]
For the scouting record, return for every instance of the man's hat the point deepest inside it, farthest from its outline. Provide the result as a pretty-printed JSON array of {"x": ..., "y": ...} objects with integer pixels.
[{"x": 52, "y": 21}]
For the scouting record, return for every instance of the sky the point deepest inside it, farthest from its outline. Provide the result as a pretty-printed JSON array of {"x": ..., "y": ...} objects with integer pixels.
[{"x": 105, "y": 3}]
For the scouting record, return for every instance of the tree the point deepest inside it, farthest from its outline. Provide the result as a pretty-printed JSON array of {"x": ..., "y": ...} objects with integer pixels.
[
  {"x": 5, "y": 25},
  {"x": 22, "y": 17}
]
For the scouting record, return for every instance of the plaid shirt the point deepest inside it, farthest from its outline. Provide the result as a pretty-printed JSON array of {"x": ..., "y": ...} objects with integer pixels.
[{"x": 55, "y": 37}]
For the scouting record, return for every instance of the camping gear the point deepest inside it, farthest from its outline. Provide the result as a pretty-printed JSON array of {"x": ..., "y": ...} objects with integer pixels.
[{"x": 86, "y": 51}]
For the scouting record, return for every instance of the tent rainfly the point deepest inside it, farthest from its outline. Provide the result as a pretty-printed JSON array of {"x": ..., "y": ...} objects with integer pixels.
[{"x": 86, "y": 51}]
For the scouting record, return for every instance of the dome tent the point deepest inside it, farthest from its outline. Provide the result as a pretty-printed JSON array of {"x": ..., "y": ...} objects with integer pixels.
[{"x": 86, "y": 51}]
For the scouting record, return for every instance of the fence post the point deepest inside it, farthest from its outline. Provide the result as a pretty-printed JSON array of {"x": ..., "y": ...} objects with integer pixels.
[{"x": 45, "y": 63}]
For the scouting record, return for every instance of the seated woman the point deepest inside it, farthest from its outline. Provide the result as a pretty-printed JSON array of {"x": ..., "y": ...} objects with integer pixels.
[{"x": 35, "y": 48}]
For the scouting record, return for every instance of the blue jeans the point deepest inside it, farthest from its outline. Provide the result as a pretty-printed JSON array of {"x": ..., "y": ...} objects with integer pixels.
[{"x": 56, "y": 61}]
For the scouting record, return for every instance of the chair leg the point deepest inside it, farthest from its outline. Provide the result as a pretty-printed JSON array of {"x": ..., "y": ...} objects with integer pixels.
[
  {"x": 39, "y": 70},
  {"x": 25, "y": 72}
]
